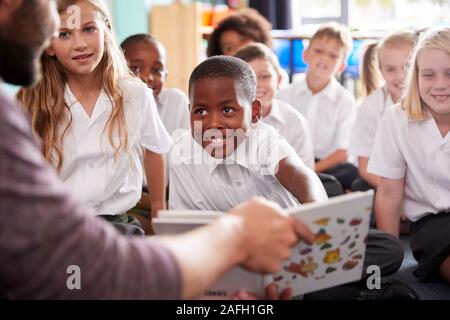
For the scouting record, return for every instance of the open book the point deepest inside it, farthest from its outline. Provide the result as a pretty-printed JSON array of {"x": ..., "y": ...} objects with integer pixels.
[{"x": 341, "y": 226}]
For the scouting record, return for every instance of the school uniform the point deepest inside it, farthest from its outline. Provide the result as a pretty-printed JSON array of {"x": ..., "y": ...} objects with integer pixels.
[
  {"x": 173, "y": 109},
  {"x": 110, "y": 184},
  {"x": 417, "y": 152},
  {"x": 201, "y": 182},
  {"x": 330, "y": 114},
  {"x": 369, "y": 115},
  {"x": 293, "y": 126}
]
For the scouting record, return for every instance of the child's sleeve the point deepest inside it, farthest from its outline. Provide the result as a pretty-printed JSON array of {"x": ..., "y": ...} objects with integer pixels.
[
  {"x": 387, "y": 159},
  {"x": 364, "y": 130},
  {"x": 154, "y": 136},
  {"x": 303, "y": 144},
  {"x": 271, "y": 150},
  {"x": 345, "y": 120}
]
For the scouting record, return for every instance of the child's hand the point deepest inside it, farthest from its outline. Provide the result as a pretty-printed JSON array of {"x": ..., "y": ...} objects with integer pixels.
[{"x": 270, "y": 294}]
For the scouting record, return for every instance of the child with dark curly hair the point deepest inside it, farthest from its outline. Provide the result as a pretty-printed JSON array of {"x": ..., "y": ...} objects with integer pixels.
[{"x": 237, "y": 30}]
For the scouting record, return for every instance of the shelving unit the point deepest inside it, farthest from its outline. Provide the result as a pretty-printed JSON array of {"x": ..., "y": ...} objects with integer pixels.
[{"x": 178, "y": 27}]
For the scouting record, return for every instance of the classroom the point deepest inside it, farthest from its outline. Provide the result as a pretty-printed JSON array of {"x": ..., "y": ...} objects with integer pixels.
[{"x": 225, "y": 150}]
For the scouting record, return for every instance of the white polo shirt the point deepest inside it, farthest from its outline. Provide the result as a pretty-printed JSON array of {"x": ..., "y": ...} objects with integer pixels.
[
  {"x": 201, "y": 182},
  {"x": 293, "y": 126},
  {"x": 173, "y": 109},
  {"x": 416, "y": 151},
  {"x": 369, "y": 115},
  {"x": 111, "y": 186},
  {"x": 330, "y": 114}
]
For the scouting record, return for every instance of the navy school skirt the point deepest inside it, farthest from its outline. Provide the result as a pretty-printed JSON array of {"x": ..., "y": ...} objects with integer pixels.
[{"x": 430, "y": 243}]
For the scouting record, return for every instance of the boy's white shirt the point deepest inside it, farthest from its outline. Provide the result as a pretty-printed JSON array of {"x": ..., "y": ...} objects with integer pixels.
[
  {"x": 369, "y": 115},
  {"x": 111, "y": 186},
  {"x": 201, "y": 182},
  {"x": 330, "y": 114},
  {"x": 417, "y": 152},
  {"x": 293, "y": 126},
  {"x": 173, "y": 109}
]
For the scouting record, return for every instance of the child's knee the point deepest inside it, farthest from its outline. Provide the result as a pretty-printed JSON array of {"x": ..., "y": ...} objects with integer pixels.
[
  {"x": 385, "y": 250},
  {"x": 444, "y": 269}
]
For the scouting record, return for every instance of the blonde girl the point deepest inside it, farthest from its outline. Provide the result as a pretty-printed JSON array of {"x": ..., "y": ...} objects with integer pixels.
[
  {"x": 95, "y": 118},
  {"x": 412, "y": 157},
  {"x": 383, "y": 74}
]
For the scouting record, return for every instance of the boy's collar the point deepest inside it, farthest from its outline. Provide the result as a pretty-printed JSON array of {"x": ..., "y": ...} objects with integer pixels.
[
  {"x": 239, "y": 156},
  {"x": 330, "y": 91},
  {"x": 190, "y": 152},
  {"x": 275, "y": 112}
]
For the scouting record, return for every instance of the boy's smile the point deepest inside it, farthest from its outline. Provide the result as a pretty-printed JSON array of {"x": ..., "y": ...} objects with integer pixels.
[{"x": 222, "y": 113}]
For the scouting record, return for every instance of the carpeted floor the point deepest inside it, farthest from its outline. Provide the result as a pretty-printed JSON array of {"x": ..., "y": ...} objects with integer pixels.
[{"x": 434, "y": 290}]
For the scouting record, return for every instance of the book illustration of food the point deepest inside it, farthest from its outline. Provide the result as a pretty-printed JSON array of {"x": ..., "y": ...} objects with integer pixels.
[
  {"x": 322, "y": 222},
  {"x": 345, "y": 241},
  {"x": 336, "y": 256},
  {"x": 350, "y": 264},
  {"x": 353, "y": 252},
  {"x": 306, "y": 251},
  {"x": 355, "y": 222},
  {"x": 322, "y": 237},
  {"x": 278, "y": 278},
  {"x": 332, "y": 256},
  {"x": 304, "y": 268},
  {"x": 330, "y": 270}
]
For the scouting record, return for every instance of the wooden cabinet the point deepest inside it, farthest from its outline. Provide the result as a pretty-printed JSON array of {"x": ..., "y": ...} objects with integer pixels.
[{"x": 178, "y": 27}]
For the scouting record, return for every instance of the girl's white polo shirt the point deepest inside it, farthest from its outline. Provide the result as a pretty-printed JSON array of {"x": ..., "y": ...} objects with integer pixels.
[
  {"x": 417, "y": 152},
  {"x": 369, "y": 115},
  {"x": 90, "y": 170}
]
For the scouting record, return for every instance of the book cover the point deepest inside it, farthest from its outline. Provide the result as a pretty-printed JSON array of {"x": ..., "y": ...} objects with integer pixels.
[{"x": 340, "y": 225}]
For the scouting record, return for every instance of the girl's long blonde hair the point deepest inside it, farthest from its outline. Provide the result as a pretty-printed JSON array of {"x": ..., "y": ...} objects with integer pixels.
[
  {"x": 371, "y": 76},
  {"x": 48, "y": 108},
  {"x": 438, "y": 38}
]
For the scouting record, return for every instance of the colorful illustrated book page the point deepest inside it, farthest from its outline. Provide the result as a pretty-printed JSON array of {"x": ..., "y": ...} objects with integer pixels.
[{"x": 336, "y": 257}]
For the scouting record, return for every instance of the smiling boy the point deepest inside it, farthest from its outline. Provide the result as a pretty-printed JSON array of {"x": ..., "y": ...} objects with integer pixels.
[{"x": 230, "y": 155}]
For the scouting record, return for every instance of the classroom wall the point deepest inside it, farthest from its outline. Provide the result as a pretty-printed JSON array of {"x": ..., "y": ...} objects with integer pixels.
[{"x": 131, "y": 17}]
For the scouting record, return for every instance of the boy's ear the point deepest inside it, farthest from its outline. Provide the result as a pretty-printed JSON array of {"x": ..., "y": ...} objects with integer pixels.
[
  {"x": 280, "y": 78},
  {"x": 256, "y": 111},
  {"x": 306, "y": 55}
]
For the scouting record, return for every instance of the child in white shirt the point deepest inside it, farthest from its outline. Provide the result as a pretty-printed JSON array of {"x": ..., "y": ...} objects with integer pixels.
[
  {"x": 230, "y": 156},
  {"x": 412, "y": 156},
  {"x": 95, "y": 118},
  {"x": 290, "y": 123},
  {"x": 327, "y": 105},
  {"x": 391, "y": 57},
  {"x": 147, "y": 58}
]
